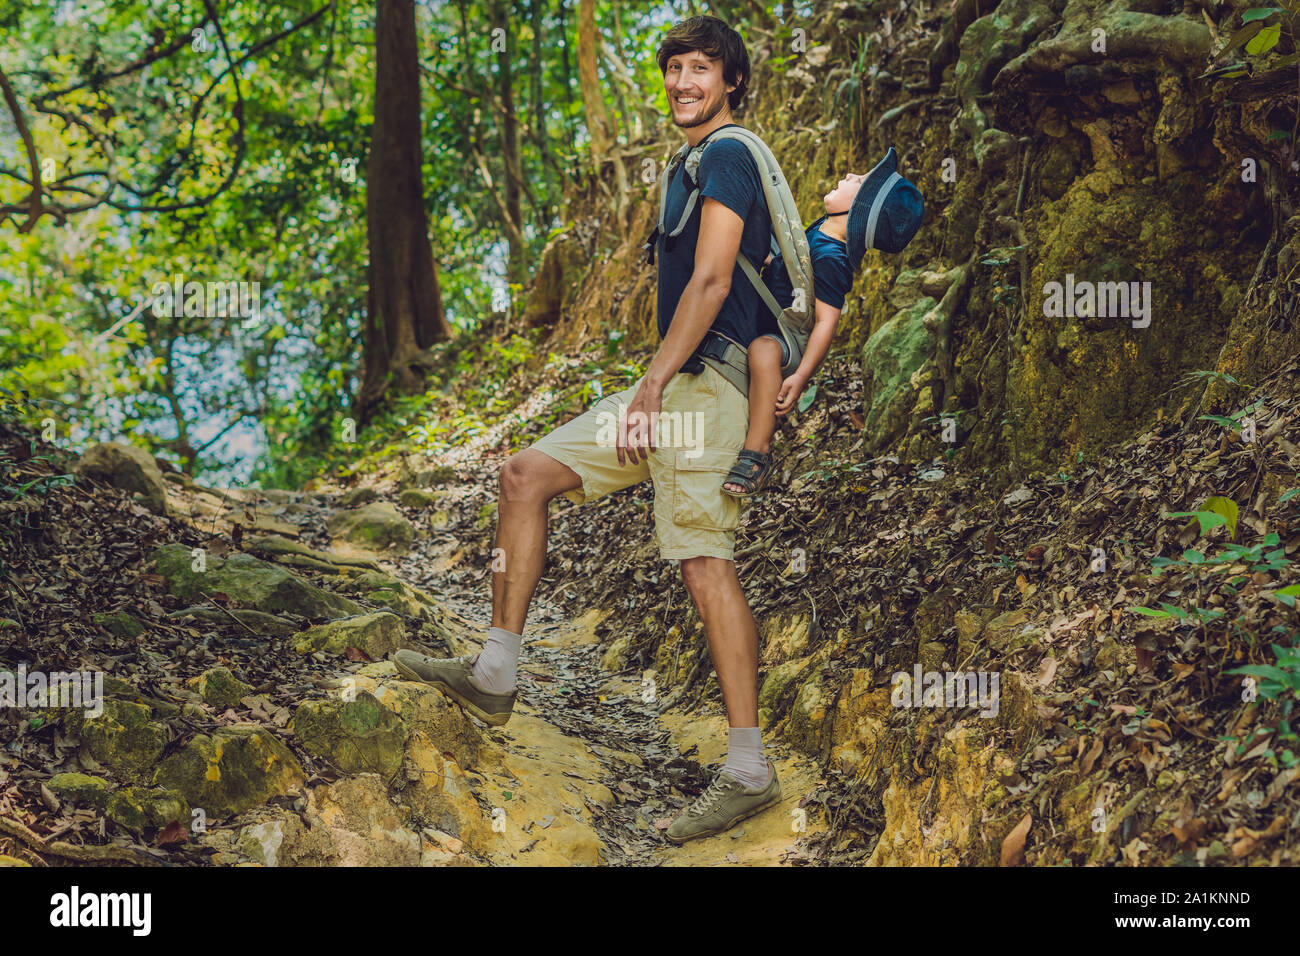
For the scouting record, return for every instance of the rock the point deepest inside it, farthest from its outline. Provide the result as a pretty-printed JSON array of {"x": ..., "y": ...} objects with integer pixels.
[
  {"x": 394, "y": 593},
  {"x": 425, "y": 709},
  {"x": 273, "y": 842},
  {"x": 235, "y": 768},
  {"x": 220, "y": 688},
  {"x": 357, "y": 736},
  {"x": 122, "y": 737},
  {"x": 377, "y": 634},
  {"x": 774, "y": 688},
  {"x": 615, "y": 656},
  {"x": 430, "y": 477},
  {"x": 1008, "y": 631},
  {"x": 358, "y": 496},
  {"x": 259, "y": 622},
  {"x": 931, "y": 655},
  {"x": 439, "y": 791},
  {"x": 257, "y": 584},
  {"x": 784, "y": 636},
  {"x": 138, "y": 808},
  {"x": 894, "y": 360},
  {"x": 129, "y": 468},
  {"x": 808, "y": 718},
  {"x": 378, "y": 526},
  {"x": 416, "y": 498},
  {"x": 276, "y": 547},
  {"x": 81, "y": 789},
  {"x": 119, "y": 623},
  {"x": 362, "y": 826}
]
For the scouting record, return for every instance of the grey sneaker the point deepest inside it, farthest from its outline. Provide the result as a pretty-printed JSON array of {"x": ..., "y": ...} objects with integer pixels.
[
  {"x": 454, "y": 677},
  {"x": 723, "y": 804}
]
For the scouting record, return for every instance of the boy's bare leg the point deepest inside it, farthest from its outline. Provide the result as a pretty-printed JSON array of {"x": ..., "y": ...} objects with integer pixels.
[
  {"x": 529, "y": 480},
  {"x": 764, "y": 384}
]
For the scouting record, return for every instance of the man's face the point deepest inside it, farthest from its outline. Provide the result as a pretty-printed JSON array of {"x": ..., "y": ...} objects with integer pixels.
[{"x": 696, "y": 91}]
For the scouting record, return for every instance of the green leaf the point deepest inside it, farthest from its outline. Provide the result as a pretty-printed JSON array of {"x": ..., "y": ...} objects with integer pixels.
[
  {"x": 1225, "y": 507},
  {"x": 1288, "y": 495},
  {"x": 1265, "y": 40},
  {"x": 807, "y": 398},
  {"x": 1259, "y": 13},
  {"x": 1150, "y": 612}
]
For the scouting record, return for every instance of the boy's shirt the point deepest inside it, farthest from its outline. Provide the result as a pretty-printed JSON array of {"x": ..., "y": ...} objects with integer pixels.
[
  {"x": 728, "y": 174},
  {"x": 832, "y": 276}
]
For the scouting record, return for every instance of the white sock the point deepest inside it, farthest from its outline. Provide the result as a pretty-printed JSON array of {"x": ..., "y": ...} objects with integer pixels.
[
  {"x": 496, "y": 666},
  {"x": 745, "y": 760}
]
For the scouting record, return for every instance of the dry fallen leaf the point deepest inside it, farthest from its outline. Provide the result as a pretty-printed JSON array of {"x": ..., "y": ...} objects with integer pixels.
[{"x": 1013, "y": 846}]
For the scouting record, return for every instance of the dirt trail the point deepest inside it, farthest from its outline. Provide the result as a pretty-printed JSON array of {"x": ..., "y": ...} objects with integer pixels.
[
  {"x": 594, "y": 741},
  {"x": 587, "y": 771}
]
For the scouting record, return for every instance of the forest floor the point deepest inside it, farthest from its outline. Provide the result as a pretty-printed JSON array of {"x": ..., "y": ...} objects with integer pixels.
[{"x": 1122, "y": 702}]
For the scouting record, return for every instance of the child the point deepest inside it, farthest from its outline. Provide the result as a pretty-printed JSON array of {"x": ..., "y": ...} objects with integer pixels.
[{"x": 879, "y": 210}]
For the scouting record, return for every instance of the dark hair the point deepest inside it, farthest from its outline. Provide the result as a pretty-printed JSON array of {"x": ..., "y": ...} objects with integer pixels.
[{"x": 716, "y": 40}]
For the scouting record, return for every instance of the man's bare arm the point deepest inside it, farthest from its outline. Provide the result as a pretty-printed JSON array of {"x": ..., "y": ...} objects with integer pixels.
[{"x": 715, "y": 258}]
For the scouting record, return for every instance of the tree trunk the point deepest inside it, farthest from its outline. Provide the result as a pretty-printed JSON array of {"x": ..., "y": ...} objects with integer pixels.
[
  {"x": 404, "y": 312},
  {"x": 517, "y": 267},
  {"x": 598, "y": 127}
]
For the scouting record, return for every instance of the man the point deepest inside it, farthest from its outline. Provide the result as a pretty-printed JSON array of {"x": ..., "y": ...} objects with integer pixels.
[{"x": 701, "y": 292}]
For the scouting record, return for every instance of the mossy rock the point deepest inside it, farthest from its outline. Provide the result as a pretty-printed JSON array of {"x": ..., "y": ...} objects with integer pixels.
[
  {"x": 357, "y": 736},
  {"x": 81, "y": 789},
  {"x": 774, "y": 687},
  {"x": 248, "y": 581},
  {"x": 140, "y": 808},
  {"x": 220, "y": 688},
  {"x": 122, "y": 738},
  {"x": 119, "y": 624},
  {"x": 394, "y": 593},
  {"x": 377, "y": 634},
  {"x": 430, "y": 477},
  {"x": 377, "y": 527},
  {"x": 358, "y": 496},
  {"x": 807, "y": 722},
  {"x": 416, "y": 498},
  {"x": 128, "y": 468},
  {"x": 893, "y": 363},
  {"x": 234, "y": 769}
]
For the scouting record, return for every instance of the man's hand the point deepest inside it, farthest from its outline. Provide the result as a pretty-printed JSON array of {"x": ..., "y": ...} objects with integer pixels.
[
  {"x": 642, "y": 423},
  {"x": 791, "y": 389}
]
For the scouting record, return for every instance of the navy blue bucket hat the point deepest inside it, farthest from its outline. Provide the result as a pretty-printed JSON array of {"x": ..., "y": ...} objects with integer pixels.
[{"x": 886, "y": 213}]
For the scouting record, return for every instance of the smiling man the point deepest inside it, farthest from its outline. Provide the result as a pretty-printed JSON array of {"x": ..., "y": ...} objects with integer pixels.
[{"x": 702, "y": 293}]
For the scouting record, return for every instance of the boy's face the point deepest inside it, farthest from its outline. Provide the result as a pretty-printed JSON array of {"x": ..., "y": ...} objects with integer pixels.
[
  {"x": 841, "y": 197},
  {"x": 696, "y": 91}
]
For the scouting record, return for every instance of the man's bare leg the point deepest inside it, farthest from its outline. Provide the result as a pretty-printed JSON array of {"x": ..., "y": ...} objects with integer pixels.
[
  {"x": 529, "y": 480},
  {"x": 733, "y": 645}
]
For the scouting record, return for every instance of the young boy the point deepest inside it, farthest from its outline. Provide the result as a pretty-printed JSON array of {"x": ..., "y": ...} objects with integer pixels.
[{"x": 879, "y": 210}]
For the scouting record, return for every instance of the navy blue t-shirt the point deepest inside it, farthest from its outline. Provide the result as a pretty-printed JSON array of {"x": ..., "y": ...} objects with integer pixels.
[
  {"x": 832, "y": 277},
  {"x": 727, "y": 173}
]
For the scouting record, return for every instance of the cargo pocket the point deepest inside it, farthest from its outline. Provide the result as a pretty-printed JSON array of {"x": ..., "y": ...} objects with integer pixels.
[{"x": 698, "y": 498}]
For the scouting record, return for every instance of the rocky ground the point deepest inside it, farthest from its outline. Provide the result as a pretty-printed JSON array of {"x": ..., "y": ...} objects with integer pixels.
[{"x": 252, "y": 716}]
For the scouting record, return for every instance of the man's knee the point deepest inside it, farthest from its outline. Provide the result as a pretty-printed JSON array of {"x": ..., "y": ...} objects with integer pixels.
[
  {"x": 531, "y": 475},
  {"x": 705, "y": 575}
]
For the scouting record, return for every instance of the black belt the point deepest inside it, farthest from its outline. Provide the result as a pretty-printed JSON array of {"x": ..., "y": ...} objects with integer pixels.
[{"x": 714, "y": 346}]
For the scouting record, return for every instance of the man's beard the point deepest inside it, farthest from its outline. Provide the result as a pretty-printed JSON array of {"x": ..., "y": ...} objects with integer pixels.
[{"x": 703, "y": 119}]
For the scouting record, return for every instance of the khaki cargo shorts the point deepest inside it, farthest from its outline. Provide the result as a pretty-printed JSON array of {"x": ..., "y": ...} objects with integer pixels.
[{"x": 701, "y": 428}]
